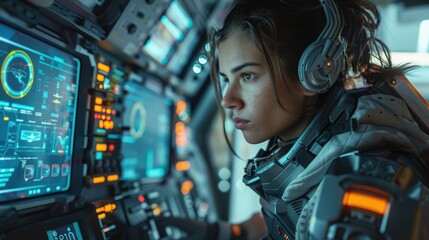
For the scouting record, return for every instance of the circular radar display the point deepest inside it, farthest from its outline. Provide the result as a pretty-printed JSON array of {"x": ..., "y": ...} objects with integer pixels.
[
  {"x": 137, "y": 120},
  {"x": 17, "y": 74}
]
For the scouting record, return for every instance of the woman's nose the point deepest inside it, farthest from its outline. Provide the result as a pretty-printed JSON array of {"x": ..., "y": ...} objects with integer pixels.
[{"x": 231, "y": 99}]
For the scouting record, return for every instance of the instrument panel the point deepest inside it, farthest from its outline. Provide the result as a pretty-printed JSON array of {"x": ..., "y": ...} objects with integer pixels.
[{"x": 93, "y": 141}]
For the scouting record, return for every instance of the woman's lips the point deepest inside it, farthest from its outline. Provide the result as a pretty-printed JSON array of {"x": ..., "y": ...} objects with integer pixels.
[{"x": 240, "y": 123}]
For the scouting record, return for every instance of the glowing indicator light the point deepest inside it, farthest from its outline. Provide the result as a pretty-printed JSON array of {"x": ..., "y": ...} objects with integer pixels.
[
  {"x": 101, "y": 216},
  {"x": 109, "y": 111},
  {"x": 100, "y": 86},
  {"x": 99, "y": 210},
  {"x": 101, "y": 124},
  {"x": 181, "y": 107},
  {"x": 97, "y": 180},
  {"x": 202, "y": 59},
  {"x": 111, "y": 147},
  {"x": 141, "y": 198},
  {"x": 207, "y": 47},
  {"x": 6, "y": 118},
  {"x": 197, "y": 68},
  {"x": 183, "y": 166},
  {"x": 101, "y": 147},
  {"x": 98, "y": 100},
  {"x": 103, "y": 67},
  {"x": 329, "y": 64},
  {"x": 100, "y": 77},
  {"x": 236, "y": 230},
  {"x": 97, "y": 108},
  {"x": 107, "y": 208},
  {"x": 180, "y": 128},
  {"x": 157, "y": 211},
  {"x": 365, "y": 201},
  {"x": 187, "y": 186},
  {"x": 113, "y": 178}
]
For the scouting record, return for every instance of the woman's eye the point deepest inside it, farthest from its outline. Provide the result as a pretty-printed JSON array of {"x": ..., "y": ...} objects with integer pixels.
[{"x": 246, "y": 76}]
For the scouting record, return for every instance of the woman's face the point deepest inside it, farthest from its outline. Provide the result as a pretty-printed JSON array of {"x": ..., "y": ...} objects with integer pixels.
[{"x": 251, "y": 97}]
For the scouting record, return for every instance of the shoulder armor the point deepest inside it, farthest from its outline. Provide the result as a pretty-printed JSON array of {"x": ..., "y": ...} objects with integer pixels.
[{"x": 365, "y": 195}]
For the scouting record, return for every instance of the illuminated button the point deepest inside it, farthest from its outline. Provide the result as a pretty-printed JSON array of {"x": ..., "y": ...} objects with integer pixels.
[
  {"x": 187, "y": 187},
  {"x": 111, "y": 147},
  {"x": 113, "y": 178},
  {"x": 183, "y": 166},
  {"x": 101, "y": 124},
  {"x": 181, "y": 141},
  {"x": 157, "y": 211},
  {"x": 101, "y": 216},
  {"x": 98, "y": 100},
  {"x": 101, "y": 147},
  {"x": 97, "y": 108},
  {"x": 97, "y": 180},
  {"x": 103, "y": 67},
  {"x": 207, "y": 47},
  {"x": 197, "y": 68},
  {"x": 236, "y": 230},
  {"x": 100, "y": 77},
  {"x": 110, "y": 124},
  {"x": 99, "y": 210},
  {"x": 202, "y": 59},
  {"x": 109, "y": 111},
  {"x": 180, "y": 107},
  {"x": 180, "y": 128},
  {"x": 108, "y": 208}
]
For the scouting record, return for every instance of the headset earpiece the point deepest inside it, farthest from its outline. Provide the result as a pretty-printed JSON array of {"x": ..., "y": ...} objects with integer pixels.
[{"x": 324, "y": 59}]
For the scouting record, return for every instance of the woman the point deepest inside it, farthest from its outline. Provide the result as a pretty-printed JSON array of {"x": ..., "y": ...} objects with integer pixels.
[{"x": 280, "y": 67}]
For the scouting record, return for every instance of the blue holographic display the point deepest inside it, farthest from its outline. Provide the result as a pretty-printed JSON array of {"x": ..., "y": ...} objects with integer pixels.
[
  {"x": 38, "y": 97},
  {"x": 146, "y": 146}
]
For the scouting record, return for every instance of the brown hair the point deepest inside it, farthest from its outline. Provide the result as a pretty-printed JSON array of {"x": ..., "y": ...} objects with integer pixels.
[{"x": 282, "y": 30}]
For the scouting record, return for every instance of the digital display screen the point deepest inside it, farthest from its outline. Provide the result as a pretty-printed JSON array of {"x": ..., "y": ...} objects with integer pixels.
[
  {"x": 170, "y": 30},
  {"x": 146, "y": 146},
  {"x": 38, "y": 97},
  {"x": 68, "y": 232}
]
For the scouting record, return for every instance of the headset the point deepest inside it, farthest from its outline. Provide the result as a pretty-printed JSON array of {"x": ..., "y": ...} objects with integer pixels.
[{"x": 324, "y": 59}]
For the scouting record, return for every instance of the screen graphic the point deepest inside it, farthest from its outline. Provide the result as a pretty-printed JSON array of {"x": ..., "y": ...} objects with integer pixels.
[
  {"x": 38, "y": 97},
  {"x": 68, "y": 232},
  {"x": 146, "y": 146},
  {"x": 170, "y": 30}
]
